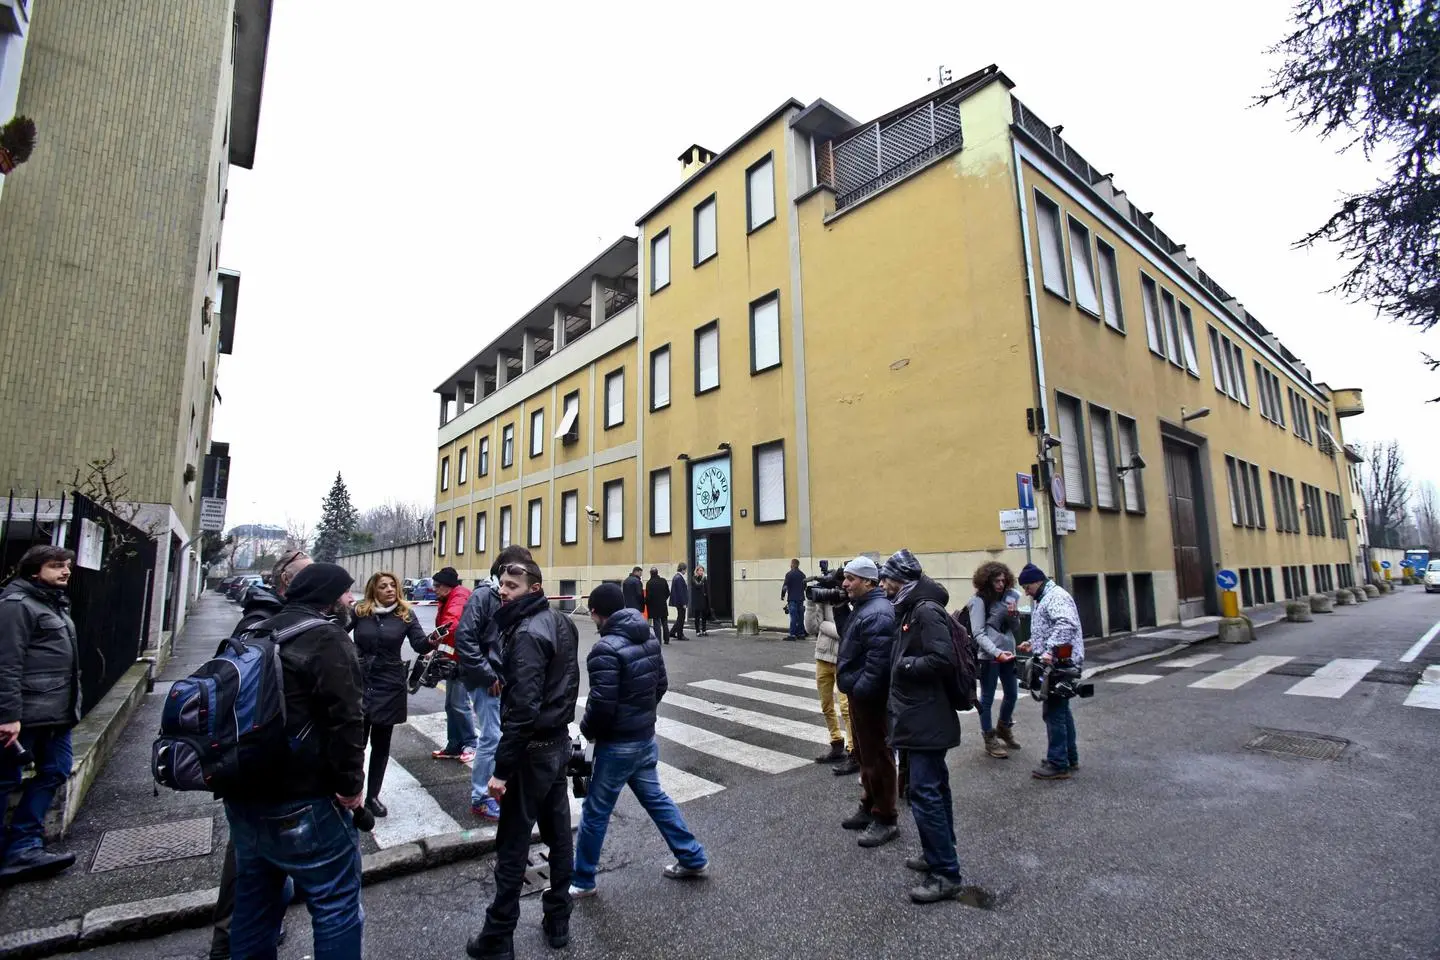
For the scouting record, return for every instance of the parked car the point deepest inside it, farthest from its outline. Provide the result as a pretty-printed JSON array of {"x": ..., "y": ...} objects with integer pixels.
[
  {"x": 408, "y": 588},
  {"x": 238, "y": 588},
  {"x": 1432, "y": 576},
  {"x": 224, "y": 585},
  {"x": 423, "y": 589}
]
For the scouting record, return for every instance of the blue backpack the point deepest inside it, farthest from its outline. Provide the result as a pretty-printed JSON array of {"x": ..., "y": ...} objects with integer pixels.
[{"x": 224, "y": 725}]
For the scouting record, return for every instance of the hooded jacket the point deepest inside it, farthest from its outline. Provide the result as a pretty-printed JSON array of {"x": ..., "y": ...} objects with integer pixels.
[
  {"x": 923, "y": 671},
  {"x": 540, "y": 674},
  {"x": 820, "y": 620},
  {"x": 863, "y": 667},
  {"x": 477, "y": 638},
  {"x": 260, "y": 604},
  {"x": 627, "y": 680},
  {"x": 39, "y": 657},
  {"x": 450, "y": 610}
]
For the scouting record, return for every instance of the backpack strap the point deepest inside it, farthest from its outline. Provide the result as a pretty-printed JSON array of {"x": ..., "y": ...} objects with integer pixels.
[{"x": 295, "y": 629}]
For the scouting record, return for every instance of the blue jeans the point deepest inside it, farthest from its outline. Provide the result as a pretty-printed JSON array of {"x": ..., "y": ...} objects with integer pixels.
[
  {"x": 53, "y": 759},
  {"x": 487, "y": 716},
  {"x": 797, "y": 618},
  {"x": 934, "y": 811},
  {"x": 1060, "y": 731},
  {"x": 990, "y": 671},
  {"x": 459, "y": 725},
  {"x": 617, "y": 765},
  {"x": 314, "y": 843}
]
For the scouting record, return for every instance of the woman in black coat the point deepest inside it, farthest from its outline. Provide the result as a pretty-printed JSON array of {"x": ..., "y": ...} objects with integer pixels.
[
  {"x": 383, "y": 621},
  {"x": 700, "y": 601}
]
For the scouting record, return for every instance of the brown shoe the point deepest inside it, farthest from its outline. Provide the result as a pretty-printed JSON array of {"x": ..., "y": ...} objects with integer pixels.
[
  {"x": 993, "y": 746},
  {"x": 1006, "y": 733}
]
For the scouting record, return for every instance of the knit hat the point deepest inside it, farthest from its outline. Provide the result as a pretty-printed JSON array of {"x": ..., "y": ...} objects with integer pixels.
[
  {"x": 447, "y": 577},
  {"x": 902, "y": 567},
  {"x": 607, "y": 599},
  {"x": 1032, "y": 574},
  {"x": 319, "y": 585},
  {"x": 864, "y": 568}
]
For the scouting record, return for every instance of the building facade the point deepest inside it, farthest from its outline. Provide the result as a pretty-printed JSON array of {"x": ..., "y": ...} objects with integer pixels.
[
  {"x": 882, "y": 328},
  {"x": 113, "y": 306}
]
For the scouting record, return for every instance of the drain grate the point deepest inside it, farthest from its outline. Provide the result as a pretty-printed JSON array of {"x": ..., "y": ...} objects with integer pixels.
[
  {"x": 136, "y": 846},
  {"x": 537, "y": 874},
  {"x": 1310, "y": 746}
]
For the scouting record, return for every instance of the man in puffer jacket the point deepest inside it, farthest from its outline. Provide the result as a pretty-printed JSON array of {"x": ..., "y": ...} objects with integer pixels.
[
  {"x": 820, "y": 621},
  {"x": 627, "y": 680},
  {"x": 863, "y": 674}
]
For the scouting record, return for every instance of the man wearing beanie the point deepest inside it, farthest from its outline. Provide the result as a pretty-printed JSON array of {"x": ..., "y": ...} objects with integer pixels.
[
  {"x": 323, "y": 773},
  {"x": 863, "y": 674},
  {"x": 1054, "y": 621},
  {"x": 460, "y": 736},
  {"x": 627, "y": 680}
]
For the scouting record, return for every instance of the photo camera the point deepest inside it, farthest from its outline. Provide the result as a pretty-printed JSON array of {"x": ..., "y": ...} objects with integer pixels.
[
  {"x": 1060, "y": 678},
  {"x": 579, "y": 769},
  {"x": 430, "y": 668}
]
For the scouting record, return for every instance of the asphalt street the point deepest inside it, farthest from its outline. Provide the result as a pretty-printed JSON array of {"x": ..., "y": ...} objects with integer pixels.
[{"x": 1173, "y": 841}]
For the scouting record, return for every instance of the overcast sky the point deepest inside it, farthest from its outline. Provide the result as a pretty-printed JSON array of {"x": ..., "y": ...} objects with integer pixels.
[{"x": 427, "y": 172}]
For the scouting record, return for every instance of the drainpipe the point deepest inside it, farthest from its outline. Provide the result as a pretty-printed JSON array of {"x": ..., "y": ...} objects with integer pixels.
[{"x": 1038, "y": 352}]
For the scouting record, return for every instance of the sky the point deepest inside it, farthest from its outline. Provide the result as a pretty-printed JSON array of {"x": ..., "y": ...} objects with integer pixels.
[{"x": 422, "y": 181}]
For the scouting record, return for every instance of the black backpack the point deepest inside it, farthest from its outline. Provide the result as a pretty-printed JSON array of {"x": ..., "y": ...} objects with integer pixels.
[
  {"x": 224, "y": 725},
  {"x": 961, "y": 687}
]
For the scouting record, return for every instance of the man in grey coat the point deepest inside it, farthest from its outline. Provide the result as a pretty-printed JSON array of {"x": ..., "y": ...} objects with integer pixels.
[{"x": 39, "y": 704}]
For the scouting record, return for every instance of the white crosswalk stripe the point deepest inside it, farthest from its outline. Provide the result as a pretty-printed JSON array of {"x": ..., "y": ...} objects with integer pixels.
[
  {"x": 413, "y": 812},
  {"x": 806, "y": 667},
  {"x": 1135, "y": 678},
  {"x": 794, "y": 729},
  {"x": 1426, "y": 693},
  {"x": 1194, "y": 660},
  {"x": 756, "y": 693},
  {"x": 735, "y": 751},
  {"x": 1334, "y": 679},
  {"x": 800, "y": 683},
  {"x": 1241, "y": 674},
  {"x": 431, "y": 726}
]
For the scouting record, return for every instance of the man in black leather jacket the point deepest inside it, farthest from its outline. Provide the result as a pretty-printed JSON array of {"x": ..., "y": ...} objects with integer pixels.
[{"x": 540, "y": 682}]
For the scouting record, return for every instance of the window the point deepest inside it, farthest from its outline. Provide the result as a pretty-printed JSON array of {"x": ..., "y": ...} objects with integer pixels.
[
  {"x": 481, "y": 532},
  {"x": 1287, "y": 515},
  {"x": 569, "y": 430},
  {"x": 1336, "y": 507},
  {"x": 1129, "y": 447},
  {"x": 705, "y": 230},
  {"x": 614, "y": 398},
  {"x": 1150, "y": 300},
  {"x": 1187, "y": 341},
  {"x": 1301, "y": 412},
  {"x": 1227, "y": 363},
  {"x": 444, "y": 473},
  {"x": 1314, "y": 517},
  {"x": 1247, "y": 508},
  {"x": 462, "y": 466},
  {"x": 1219, "y": 362},
  {"x": 440, "y": 538},
  {"x": 537, "y": 433},
  {"x": 765, "y": 333},
  {"x": 770, "y": 482},
  {"x": 615, "y": 510},
  {"x": 760, "y": 194},
  {"x": 1082, "y": 264},
  {"x": 507, "y": 446},
  {"x": 1237, "y": 378},
  {"x": 1072, "y": 455},
  {"x": 1170, "y": 326},
  {"x": 707, "y": 358},
  {"x": 1101, "y": 450},
  {"x": 570, "y": 516},
  {"x": 660, "y": 502},
  {"x": 660, "y": 378},
  {"x": 1271, "y": 407},
  {"x": 1052, "y": 247},
  {"x": 660, "y": 262},
  {"x": 534, "y": 509},
  {"x": 505, "y": 527},
  {"x": 1259, "y": 496},
  {"x": 484, "y": 456},
  {"x": 459, "y": 536},
  {"x": 1110, "y": 285}
]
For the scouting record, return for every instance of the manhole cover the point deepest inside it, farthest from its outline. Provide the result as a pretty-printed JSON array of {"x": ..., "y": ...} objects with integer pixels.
[
  {"x": 537, "y": 874},
  {"x": 1311, "y": 746},
  {"x": 135, "y": 846}
]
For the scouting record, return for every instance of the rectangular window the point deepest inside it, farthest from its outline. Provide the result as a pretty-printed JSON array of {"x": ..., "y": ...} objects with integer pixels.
[
  {"x": 570, "y": 516},
  {"x": 444, "y": 473},
  {"x": 537, "y": 433},
  {"x": 484, "y": 456},
  {"x": 660, "y": 378},
  {"x": 1150, "y": 300},
  {"x": 1259, "y": 496},
  {"x": 505, "y": 530},
  {"x": 1082, "y": 265},
  {"x": 482, "y": 531},
  {"x": 1277, "y": 498},
  {"x": 1187, "y": 341},
  {"x": 1072, "y": 451},
  {"x": 534, "y": 510},
  {"x": 1170, "y": 326},
  {"x": 614, "y": 398},
  {"x": 765, "y": 333},
  {"x": 705, "y": 230},
  {"x": 440, "y": 538},
  {"x": 707, "y": 358},
  {"x": 1237, "y": 515},
  {"x": 770, "y": 482},
  {"x": 462, "y": 466},
  {"x": 507, "y": 446},
  {"x": 660, "y": 261},
  {"x": 569, "y": 429},
  {"x": 1219, "y": 362},
  {"x": 1237, "y": 377},
  {"x": 1052, "y": 246},
  {"x": 1101, "y": 451},
  {"x": 1110, "y": 285},
  {"x": 615, "y": 510},
  {"x": 459, "y": 536},
  {"x": 760, "y": 194},
  {"x": 1129, "y": 447},
  {"x": 660, "y": 502}
]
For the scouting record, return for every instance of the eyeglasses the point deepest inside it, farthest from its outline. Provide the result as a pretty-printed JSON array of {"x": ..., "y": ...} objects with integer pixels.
[{"x": 517, "y": 570}]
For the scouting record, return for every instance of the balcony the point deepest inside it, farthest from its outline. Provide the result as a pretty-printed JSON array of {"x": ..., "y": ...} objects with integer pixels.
[{"x": 871, "y": 158}]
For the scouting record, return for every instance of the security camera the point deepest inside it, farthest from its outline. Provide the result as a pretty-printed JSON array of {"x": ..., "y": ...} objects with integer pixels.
[
  {"x": 1137, "y": 462},
  {"x": 1051, "y": 442},
  {"x": 592, "y": 514}
]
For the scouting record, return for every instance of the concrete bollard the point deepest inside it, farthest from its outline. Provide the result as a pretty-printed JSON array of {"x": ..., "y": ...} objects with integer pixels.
[
  {"x": 1359, "y": 594},
  {"x": 1321, "y": 603},
  {"x": 1344, "y": 598},
  {"x": 1236, "y": 630},
  {"x": 1387, "y": 586},
  {"x": 1298, "y": 611},
  {"x": 1371, "y": 590},
  {"x": 747, "y": 625}
]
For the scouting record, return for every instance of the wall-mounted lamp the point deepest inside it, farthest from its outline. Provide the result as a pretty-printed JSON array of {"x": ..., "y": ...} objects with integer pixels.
[
  {"x": 723, "y": 446},
  {"x": 1136, "y": 463},
  {"x": 683, "y": 456},
  {"x": 1194, "y": 414}
]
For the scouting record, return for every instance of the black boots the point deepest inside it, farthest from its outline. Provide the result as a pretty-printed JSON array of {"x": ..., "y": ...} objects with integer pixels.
[
  {"x": 836, "y": 754},
  {"x": 847, "y": 766}
]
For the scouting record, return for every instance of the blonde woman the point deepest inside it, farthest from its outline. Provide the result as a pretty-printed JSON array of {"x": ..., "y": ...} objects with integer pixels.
[{"x": 383, "y": 621}]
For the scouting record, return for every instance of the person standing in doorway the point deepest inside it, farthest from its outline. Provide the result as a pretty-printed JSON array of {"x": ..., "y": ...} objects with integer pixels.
[
  {"x": 992, "y": 619},
  {"x": 657, "y": 604},
  {"x": 460, "y": 736},
  {"x": 700, "y": 601},
  {"x": 679, "y": 599},
  {"x": 793, "y": 593},
  {"x": 1054, "y": 627}
]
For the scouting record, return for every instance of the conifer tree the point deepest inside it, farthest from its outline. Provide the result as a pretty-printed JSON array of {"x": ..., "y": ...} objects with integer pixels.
[{"x": 338, "y": 518}]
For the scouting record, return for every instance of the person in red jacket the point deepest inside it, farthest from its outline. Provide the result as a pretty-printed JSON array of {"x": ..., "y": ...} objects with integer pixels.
[{"x": 460, "y": 737}]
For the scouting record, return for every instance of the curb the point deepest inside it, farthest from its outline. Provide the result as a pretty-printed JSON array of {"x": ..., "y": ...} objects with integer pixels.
[{"x": 1105, "y": 668}]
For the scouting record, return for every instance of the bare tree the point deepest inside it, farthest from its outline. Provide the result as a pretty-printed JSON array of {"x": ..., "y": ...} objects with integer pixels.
[
  {"x": 1387, "y": 493},
  {"x": 396, "y": 522},
  {"x": 1427, "y": 517},
  {"x": 297, "y": 534}
]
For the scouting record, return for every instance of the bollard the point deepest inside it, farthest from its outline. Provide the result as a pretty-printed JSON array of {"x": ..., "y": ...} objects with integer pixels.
[
  {"x": 1359, "y": 594},
  {"x": 747, "y": 625},
  {"x": 1344, "y": 597},
  {"x": 1236, "y": 630},
  {"x": 1371, "y": 590},
  {"x": 1229, "y": 604},
  {"x": 1298, "y": 611},
  {"x": 1321, "y": 603}
]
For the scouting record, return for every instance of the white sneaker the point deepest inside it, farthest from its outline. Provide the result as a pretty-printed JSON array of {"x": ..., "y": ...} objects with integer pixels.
[
  {"x": 677, "y": 872},
  {"x": 580, "y": 893}
]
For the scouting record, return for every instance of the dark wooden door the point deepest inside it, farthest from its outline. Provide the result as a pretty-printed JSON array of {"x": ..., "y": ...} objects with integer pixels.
[{"x": 1185, "y": 523}]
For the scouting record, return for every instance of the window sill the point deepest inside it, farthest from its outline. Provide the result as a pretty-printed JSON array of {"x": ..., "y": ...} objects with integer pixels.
[
  {"x": 1092, "y": 314},
  {"x": 768, "y": 523},
  {"x": 755, "y": 373},
  {"x": 1139, "y": 512},
  {"x": 1104, "y": 509},
  {"x": 700, "y": 263},
  {"x": 656, "y": 290},
  {"x": 761, "y": 226},
  {"x": 1062, "y": 297},
  {"x": 663, "y": 406},
  {"x": 662, "y": 533},
  {"x": 701, "y": 393},
  {"x": 1114, "y": 329},
  {"x": 617, "y": 423}
]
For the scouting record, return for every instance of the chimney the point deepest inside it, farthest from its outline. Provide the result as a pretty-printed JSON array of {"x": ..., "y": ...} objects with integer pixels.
[{"x": 693, "y": 159}]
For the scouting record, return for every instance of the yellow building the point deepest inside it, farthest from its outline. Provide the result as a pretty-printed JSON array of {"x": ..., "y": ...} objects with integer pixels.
[{"x": 882, "y": 325}]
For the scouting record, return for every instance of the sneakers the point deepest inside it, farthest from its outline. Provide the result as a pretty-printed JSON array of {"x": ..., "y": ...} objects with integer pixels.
[
  {"x": 935, "y": 888},
  {"x": 878, "y": 834},
  {"x": 836, "y": 755},
  {"x": 677, "y": 872},
  {"x": 445, "y": 754},
  {"x": 847, "y": 766},
  {"x": 858, "y": 820},
  {"x": 582, "y": 893},
  {"x": 918, "y": 864},
  {"x": 466, "y": 756},
  {"x": 557, "y": 931},
  {"x": 1046, "y": 772},
  {"x": 487, "y": 809},
  {"x": 37, "y": 863}
]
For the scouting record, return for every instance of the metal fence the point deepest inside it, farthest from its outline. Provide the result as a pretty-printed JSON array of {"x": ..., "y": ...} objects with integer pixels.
[{"x": 883, "y": 152}]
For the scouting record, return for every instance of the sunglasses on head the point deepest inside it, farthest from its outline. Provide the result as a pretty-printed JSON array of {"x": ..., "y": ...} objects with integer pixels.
[
  {"x": 517, "y": 570},
  {"x": 285, "y": 564}
]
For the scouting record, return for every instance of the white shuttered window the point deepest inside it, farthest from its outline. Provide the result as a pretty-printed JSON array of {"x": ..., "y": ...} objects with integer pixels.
[
  {"x": 765, "y": 334},
  {"x": 660, "y": 502},
  {"x": 770, "y": 483},
  {"x": 614, "y": 511},
  {"x": 1100, "y": 451},
  {"x": 1072, "y": 445},
  {"x": 707, "y": 359}
]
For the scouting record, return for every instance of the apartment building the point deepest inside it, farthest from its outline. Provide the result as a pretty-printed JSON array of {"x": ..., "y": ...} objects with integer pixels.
[
  {"x": 883, "y": 327},
  {"x": 114, "y": 309}
]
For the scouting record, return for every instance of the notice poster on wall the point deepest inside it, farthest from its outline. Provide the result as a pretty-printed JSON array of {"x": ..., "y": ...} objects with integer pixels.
[{"x": 91, "y": 549}]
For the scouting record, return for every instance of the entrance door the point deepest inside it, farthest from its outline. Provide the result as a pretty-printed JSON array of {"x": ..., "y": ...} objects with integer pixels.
[
  {"x": 709, "y": 520},
  {"x": 1182, "y": 485}
]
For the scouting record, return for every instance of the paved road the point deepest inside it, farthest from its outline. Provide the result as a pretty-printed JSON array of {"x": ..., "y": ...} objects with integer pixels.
[{"x": 1175, "y": 840}]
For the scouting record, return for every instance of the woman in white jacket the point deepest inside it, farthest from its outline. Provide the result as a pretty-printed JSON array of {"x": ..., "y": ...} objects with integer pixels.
[{"x": 820, "y": 621}]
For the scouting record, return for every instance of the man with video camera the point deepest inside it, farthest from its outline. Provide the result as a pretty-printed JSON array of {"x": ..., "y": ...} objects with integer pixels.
[
  {"x": 1055, "y": 640},
  {"x": 827, "y": 607}
]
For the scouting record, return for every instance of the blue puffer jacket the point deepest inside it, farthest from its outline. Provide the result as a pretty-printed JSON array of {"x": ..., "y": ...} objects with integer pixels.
[
  {"x": 627, "y": 680},
  {"x": 863, "y": 671}
]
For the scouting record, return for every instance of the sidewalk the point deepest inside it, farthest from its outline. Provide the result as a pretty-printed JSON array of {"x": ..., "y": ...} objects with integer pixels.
[{"x": 1109, "y": 653}]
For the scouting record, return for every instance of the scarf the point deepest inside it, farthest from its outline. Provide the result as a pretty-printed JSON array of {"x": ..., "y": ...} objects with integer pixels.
[
  {"x": 376, "y": 609},
  {"x": 905, "y": 592},
  {"x": 513, "y": 612}
]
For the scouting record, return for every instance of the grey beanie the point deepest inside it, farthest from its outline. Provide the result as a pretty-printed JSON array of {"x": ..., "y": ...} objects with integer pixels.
[{"x": 864, "y": 568}]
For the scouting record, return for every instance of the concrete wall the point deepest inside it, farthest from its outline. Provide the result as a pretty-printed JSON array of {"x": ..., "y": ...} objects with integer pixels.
[{"x": 413, "y": 560}]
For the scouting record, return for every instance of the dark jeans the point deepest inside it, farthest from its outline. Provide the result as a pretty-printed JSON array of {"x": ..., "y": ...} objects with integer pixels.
[
  {"x": 990, "y": 671},
  {"x": 379, "y": 736},
  {"x": 678, "y": 631},
  {"x": 536, "y": 793},
  {"x": 797, "y": 618},
  {"x": 459, "y": 723},
  {"x": 660, "y": 625},
  {"x": 934, "y": 810},
  {"x": 313, "y": 842},
  {"x": 1060, "y": 731},
  {"x": 877, "y": 762},
  {"x": 700, "y": 619},
  {"x": 225, "y": 905},
  {"x": 53, "y": 760}
]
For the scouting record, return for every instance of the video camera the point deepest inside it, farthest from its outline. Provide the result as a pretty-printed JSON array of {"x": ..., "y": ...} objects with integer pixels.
[
  {"x": 826, "y": 588},
  {"x": 439, "y": 664},
  {"x": 578, "y": 769},
  {"x": 1059, "y": 678}
]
